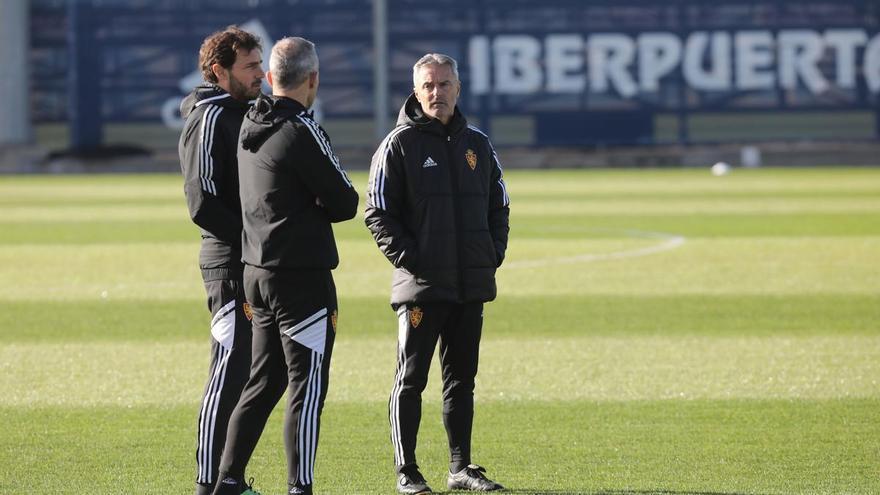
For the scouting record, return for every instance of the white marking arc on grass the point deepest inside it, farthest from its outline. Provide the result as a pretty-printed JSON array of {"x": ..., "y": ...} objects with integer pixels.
[{"x": 670, "y": 241}]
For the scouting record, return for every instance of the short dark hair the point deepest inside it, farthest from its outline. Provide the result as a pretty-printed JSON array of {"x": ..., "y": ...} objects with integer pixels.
[{"x": 220, "y": 48}]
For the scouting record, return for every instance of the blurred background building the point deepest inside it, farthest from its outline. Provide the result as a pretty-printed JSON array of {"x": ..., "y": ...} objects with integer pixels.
[{"x": 559, "y": 82}]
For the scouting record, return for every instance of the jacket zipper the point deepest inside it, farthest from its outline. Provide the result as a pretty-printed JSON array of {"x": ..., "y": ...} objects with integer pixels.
[{"x": 453, "y": 177}]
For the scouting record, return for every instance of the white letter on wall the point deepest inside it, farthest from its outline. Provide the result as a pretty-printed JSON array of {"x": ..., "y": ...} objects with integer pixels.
[
  {"x": 659, "y": 53},
  {"x": 754, "y": 51},
  {"x": 844, "y": 43},
  {"x": 609, "y": 56},
  {"x": 564, "y": 54},
  {"x": 717, "y": 77},
  {"x": 872, "y": 64},
  {"x": 517, "y": 69},
  {"x": 799, "y": 54},
  {"x": 478, "y": 64}
]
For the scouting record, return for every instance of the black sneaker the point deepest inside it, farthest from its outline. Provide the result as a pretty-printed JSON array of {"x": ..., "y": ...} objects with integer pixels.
[
  {"x": 231, "y": 486},
  {"x": 412, "y": 482},
  {"x": 472, "y": 478}
]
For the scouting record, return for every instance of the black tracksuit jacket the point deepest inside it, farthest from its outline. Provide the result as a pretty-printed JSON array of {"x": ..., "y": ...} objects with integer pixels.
[
  {"x": 207, "y": 150},
  {"x": 438, "y": 208},
  {"x": 292, "y": 187}
]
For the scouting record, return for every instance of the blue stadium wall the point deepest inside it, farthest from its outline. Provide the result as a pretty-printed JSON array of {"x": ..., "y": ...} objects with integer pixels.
[{"x": 582, "y": 72}]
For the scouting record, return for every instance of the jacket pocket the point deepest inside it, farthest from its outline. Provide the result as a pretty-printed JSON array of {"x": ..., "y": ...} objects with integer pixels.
[{"x": 479, "y": 250}]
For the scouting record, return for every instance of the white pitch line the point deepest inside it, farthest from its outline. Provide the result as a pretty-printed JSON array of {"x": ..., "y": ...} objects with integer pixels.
[{"x": 670, "y": 241}]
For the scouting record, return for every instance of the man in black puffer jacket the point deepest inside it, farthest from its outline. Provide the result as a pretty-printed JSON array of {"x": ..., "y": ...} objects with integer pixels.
[
  {"x": 438, "y": 209},
  {"x": 292, "y": 188}
]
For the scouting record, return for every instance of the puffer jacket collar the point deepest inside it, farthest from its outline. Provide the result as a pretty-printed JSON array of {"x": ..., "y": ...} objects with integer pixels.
[{"x": 411, "y": 114}]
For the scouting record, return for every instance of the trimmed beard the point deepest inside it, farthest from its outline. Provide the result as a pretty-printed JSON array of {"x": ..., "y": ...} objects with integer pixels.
[{"x": 241, "y": 91}]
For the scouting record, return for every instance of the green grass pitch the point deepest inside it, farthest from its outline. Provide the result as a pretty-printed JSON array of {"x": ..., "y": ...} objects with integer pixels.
[{"x": 656, "y": 331}]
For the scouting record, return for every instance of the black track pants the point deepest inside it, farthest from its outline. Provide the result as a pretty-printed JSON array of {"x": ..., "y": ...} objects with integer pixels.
[
  {"x": 294, "y": 319},
  {"x": 229, "y": 371},
  {"x": 458, "y": 327}
]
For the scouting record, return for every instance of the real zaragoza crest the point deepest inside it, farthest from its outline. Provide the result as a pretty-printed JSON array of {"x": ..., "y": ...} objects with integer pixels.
[
  {"x": 415, "y": 316},
  {"x": 248, "y": 312},
  {"x": 471, "y": 158}
]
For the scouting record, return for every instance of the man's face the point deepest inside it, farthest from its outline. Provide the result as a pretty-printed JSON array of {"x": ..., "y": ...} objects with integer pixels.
[
  {"x": 244, "y": 79},
  {"x": 437, "y": 89}
]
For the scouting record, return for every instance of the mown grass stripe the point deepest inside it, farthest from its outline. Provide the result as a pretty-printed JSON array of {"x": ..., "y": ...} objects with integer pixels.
[
  {"x": 574, "y": 448},
  {"x": 666, "y": 315},
  {"x": 512, "y": 369},
  {"x": 741, "y": 315},
  {"x": 772, "y": 266},
  {"x": 547, "y": 227}
]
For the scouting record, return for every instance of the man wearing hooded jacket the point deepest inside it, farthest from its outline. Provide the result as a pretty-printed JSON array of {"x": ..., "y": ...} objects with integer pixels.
[
  {"x": 292, "y": 188},
  {"x": 231, "y": 64},
  {"x": 438, "y": 209}
]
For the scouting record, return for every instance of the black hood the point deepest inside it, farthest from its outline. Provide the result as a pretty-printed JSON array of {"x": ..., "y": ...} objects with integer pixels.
[
  {"x": 265, "y": 117},
  {"x": 209, "y": 93},
  {"x": 411, "y": 114}
]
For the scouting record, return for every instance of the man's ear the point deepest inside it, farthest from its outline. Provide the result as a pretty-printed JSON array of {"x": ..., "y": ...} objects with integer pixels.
[
  {"x": 219, "y": 72},
  {"x": 269, "y": 78},
  {"x": 313, "y": 79}
]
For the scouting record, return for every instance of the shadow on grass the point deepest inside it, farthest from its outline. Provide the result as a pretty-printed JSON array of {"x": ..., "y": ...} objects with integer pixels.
[{"x": 527, "y": 491}]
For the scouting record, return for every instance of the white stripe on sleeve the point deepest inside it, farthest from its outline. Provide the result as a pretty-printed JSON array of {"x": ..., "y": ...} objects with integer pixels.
[
  {"x": 206, "y": 142},
  {"x": 376, "y": 193},
  {"x": 324, "y": 144}
]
